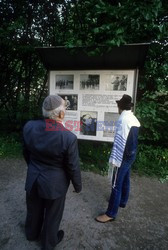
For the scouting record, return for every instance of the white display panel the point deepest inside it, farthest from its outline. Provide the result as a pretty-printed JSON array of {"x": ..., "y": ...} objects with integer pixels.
[{"x": 91, "y": 99}]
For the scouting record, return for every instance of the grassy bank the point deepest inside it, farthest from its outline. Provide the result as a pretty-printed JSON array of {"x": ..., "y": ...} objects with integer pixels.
[
  {"x": 10, "y": 147},
  {"x": 150, "y": 160}
]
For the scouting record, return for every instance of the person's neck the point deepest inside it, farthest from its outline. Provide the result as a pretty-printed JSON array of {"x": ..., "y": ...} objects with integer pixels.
[
  {"x": 59, "y": 120},
  {"x": 126, "y": 111}
]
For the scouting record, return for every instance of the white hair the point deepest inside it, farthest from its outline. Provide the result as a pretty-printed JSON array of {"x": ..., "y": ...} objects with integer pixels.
[{"x": 52, "y": 114}]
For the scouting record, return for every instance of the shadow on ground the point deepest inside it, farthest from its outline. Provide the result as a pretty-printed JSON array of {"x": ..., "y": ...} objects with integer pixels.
[{"x": 141, "y": 225}]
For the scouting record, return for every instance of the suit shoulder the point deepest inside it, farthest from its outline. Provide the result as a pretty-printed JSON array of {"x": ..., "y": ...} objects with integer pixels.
[
  {"x": 70, "y": 135},
  {"x": 27, "y": 124},
  {"x": 31, "y": 123}
]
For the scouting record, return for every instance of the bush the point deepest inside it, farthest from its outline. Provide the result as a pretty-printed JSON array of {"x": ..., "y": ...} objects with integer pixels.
[
  {"x": 10, "y": 146},
  {"x": 152, "y": 161},
  {"x": 94, "y": 156},
  {"x": 152, "y": 111}
]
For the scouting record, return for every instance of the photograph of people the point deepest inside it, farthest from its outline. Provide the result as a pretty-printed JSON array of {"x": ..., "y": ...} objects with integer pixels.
[
  {"x": 64, "y": 82},
  {"x": 109, "y": 124},
  {"x": 116, "y": 82},
  {"x": 89, "y": 82},
  {"x": 88, "y": 121},
  {"x": 71, "y": 101},
  {"x": 74, "y": 102},
  {"x": 67, "y": 103},
  {"x": 123, "y": 83}
]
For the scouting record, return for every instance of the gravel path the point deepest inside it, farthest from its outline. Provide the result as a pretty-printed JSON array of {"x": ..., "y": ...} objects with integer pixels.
[{"x": 143, "y": 224}]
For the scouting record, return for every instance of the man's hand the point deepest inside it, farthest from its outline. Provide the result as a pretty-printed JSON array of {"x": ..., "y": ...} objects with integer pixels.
[{"x": 111, "y": 165}]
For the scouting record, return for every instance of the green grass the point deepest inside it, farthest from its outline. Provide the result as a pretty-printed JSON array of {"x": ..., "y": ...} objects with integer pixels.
[
  {"x": 150, "y": 160},
  {"x": 94, "y": 156},
  {"x": 10, "y": 147}
]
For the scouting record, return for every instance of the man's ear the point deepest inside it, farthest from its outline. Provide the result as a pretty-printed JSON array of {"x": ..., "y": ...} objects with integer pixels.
[{"x": 61, "y": 114}]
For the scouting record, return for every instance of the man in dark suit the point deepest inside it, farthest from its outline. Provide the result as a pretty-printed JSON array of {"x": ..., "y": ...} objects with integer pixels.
[{"x": 51, "y": 153}]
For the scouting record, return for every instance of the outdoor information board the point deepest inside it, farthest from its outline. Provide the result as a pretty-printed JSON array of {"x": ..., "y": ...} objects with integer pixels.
[
  {"x": 90, "y": 85},
  {"x": 90, "y": 97}
]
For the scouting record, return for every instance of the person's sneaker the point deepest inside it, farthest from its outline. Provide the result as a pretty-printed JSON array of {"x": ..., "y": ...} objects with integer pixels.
[{"x": 60, "y": 236}]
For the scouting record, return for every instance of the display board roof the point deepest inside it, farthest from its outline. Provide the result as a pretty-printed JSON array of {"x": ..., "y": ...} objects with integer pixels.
[{"x": 129, "y": 56}]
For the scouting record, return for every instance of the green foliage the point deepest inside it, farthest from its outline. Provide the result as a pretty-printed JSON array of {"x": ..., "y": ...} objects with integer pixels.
[
  {"x": 94, "y": 156},
  {"x": 99, "y": 25},
  {"x": 23, "y": 77},
  {"x": 10, "y": 147},
  {"x": 152, "y": 111},
  {"x": 93, "y": 23},
  {"x": 152, "y": 161},
  {"x": 28, "y": 24},
  {"x": 152, "y": 105}
]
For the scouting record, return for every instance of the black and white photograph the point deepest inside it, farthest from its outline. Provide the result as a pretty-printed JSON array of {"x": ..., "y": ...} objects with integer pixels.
[
  {"x": 110, "y": 124},
  {"x": 117, "y": 82},
  {"x": 64, "y": 82},
  {"x": 71, "y": 101},
  {"x": 88, "y": 121},
  {"x": 89, "y": 82}
]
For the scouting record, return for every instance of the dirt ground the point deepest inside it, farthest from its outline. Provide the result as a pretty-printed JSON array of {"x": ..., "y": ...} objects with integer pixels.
[{"x": 143, "y": 224}]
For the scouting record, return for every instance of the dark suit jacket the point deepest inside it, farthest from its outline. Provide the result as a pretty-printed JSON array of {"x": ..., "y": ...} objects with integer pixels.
[
  {"x": 52, "y": 159},
  {"x": 131, "y": 144}
]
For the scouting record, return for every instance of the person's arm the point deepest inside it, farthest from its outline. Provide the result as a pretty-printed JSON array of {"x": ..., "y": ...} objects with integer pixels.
[
  {"x": 132, "y": 142},
  {"x": 72, "y": 165},
  {"x": 26, "y": 153}
]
